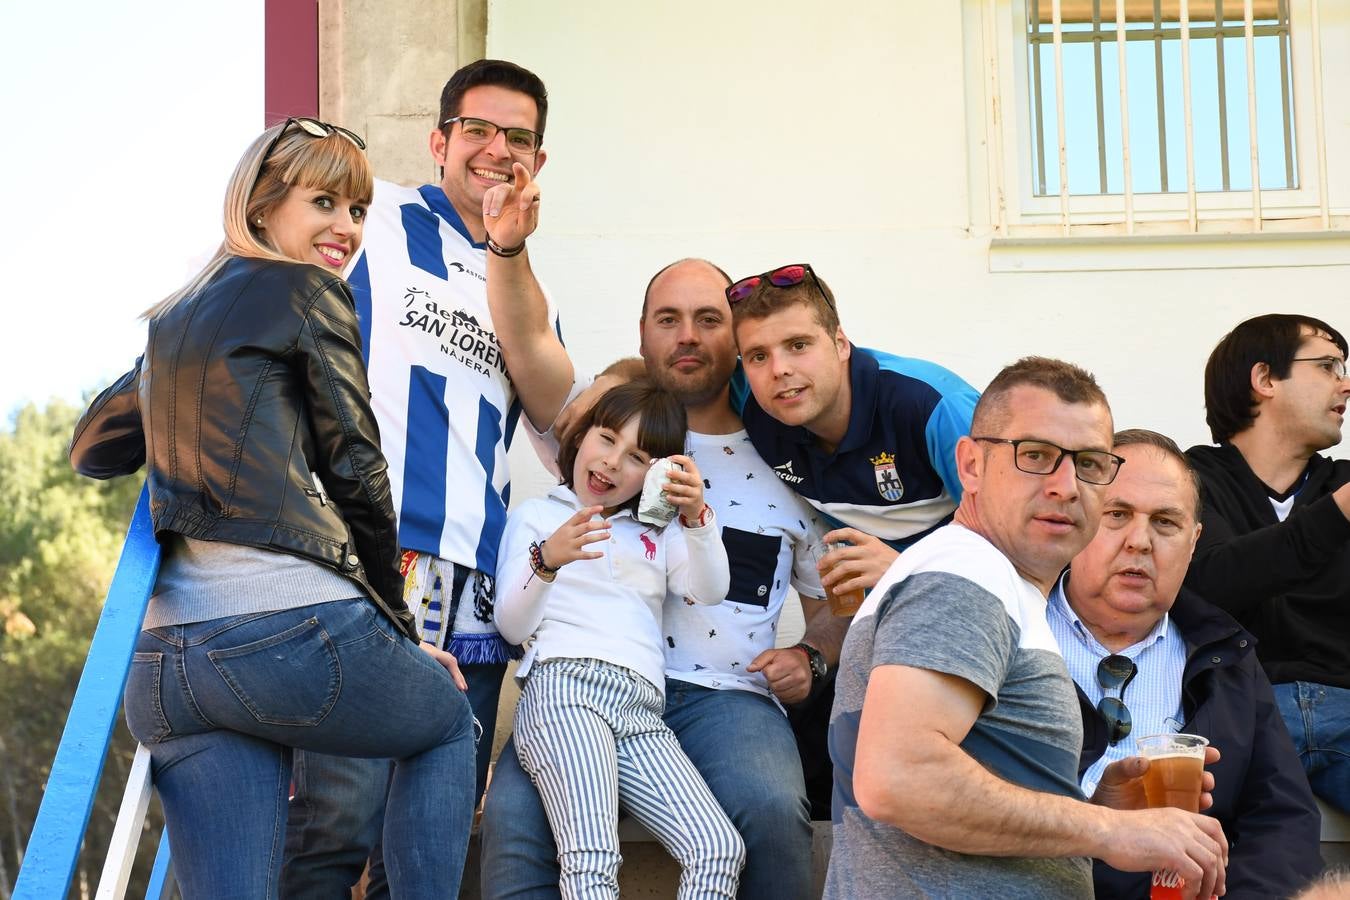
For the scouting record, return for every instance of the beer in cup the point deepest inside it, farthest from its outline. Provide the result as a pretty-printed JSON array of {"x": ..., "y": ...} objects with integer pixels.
[
  {"x": 846, "y": 603},
  {"x": 1176, "y": 767}
]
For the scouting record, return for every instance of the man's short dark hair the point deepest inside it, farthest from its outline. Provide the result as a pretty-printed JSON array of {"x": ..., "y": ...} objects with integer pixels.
[
  {"x": 494, "y": 73},
  {"x": 661, "y": 427},
  {"x": 1272, "y": 339},
  {"x": 1066, "y": 381},
  {"x": 767, "y": 299},
  {"x": 1142, "y": 437},
  {"x": 647, "y": 294}
]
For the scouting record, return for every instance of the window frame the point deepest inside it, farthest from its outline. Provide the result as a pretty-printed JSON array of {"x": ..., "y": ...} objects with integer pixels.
[{"x": 1018, "y": 165}]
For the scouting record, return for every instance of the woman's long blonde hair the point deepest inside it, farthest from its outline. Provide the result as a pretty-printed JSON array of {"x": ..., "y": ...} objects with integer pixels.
[{"x": 331, "y": 163}]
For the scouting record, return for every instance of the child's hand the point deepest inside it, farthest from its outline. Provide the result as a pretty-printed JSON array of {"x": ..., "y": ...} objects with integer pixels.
[
  {"x": 684, "y": 489},
  {"x": 568, "y": 543}
]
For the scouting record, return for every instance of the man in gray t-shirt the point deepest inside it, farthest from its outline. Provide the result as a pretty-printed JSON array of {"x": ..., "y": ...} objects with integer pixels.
[{"x": 955, "y": 731}]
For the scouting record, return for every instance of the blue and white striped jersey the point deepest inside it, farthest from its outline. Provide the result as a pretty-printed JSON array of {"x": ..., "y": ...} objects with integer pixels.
[{"x": 446, "y": 407}]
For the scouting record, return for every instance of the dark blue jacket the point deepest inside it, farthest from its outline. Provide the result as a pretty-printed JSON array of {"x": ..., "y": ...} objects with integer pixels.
[{"x": 1260, "y": 792}]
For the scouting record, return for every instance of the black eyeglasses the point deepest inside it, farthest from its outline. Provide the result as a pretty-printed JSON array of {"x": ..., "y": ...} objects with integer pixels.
[
  {"x": 1114, "y": 673},
  {"x": 481, "y": 131},
  {"x": 314, "y": 128},
  {"x": 784, "y": 277},
  {"x": 1333, "y": 365},
  {"x": 1043, "y": 458}
]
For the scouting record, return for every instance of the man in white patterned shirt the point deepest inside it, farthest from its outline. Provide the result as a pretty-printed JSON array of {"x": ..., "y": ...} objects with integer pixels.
[
  {"x": 1149, "y": 657},
  {"x": 725, "y": 680}
]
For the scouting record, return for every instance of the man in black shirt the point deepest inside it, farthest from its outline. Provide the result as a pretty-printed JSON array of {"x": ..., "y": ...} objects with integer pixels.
[{"x": 1275, "y": 549}]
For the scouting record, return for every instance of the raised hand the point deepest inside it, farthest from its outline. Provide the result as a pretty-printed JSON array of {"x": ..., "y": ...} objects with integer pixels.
[
  {"x": 684, "y": 489},
  {"x": 569, "y": 542},
  {"x": 511, "y": 211}
]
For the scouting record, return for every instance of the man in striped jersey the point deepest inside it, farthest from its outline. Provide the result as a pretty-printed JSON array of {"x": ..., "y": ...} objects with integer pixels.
[{"x": 448, "y": 402}]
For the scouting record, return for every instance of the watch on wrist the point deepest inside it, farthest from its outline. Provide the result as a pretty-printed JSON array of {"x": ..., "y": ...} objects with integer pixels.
[{"x": 815, "y": 658}]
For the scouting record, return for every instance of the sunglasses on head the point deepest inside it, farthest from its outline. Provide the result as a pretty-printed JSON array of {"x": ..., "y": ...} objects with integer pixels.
[
  {"x": 314, "y": 128},
  {"x": 784, "y": 277},
  {"x": 1114, "y": 673}
]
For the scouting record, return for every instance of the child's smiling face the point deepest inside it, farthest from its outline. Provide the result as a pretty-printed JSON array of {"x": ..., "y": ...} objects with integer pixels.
[{"x": 610, "y": 466}]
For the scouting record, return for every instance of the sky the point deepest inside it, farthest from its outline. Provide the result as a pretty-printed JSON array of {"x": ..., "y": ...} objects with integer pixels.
[{"x": 123, "y": 123}]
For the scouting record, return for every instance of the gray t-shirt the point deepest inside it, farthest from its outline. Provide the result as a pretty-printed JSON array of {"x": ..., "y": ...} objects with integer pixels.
[{"x": 953, "y": 604}]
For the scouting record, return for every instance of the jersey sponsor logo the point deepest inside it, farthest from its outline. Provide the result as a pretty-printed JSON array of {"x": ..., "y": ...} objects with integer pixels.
[
  {"x": 784, "y": 471},
  {"x": 459, "y": 334},
  {"x": 888, "y": 479},
  {"x": 465, "y": 270}
]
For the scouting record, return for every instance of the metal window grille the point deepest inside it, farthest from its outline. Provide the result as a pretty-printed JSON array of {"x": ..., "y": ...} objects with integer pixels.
[{"x": 1181, "y": 80}]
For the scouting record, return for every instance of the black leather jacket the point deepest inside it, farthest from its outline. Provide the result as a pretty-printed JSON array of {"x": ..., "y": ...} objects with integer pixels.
[{"x": 243, "y": 396}]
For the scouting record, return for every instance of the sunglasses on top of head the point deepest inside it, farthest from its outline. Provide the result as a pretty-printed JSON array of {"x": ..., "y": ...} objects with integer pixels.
[
  {"x": 314, "y": 128},
  {"x": 782, "y": 277}
]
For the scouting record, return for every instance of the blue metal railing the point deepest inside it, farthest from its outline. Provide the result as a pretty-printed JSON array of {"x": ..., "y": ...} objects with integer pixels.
[{"x": 54, "y": 846}]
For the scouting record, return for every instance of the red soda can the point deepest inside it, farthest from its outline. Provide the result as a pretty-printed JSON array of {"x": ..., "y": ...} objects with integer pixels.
[{"x": 1166, "y": 886}]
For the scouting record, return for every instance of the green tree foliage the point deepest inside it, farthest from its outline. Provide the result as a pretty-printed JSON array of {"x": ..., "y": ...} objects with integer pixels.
[{"x": 60, "y": 536}]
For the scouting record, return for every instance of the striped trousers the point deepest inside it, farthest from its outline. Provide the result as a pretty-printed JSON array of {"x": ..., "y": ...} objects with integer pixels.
[{"x": 591, "y": 736}]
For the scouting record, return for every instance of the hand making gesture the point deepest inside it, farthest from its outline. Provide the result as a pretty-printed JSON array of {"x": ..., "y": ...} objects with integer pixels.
[
  {"x": 569, "y": 542},
  {"x": 511, "y": 211}
]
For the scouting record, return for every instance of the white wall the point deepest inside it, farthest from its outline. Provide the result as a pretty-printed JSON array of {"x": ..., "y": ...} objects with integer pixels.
[{"x": 757, "y": 133}]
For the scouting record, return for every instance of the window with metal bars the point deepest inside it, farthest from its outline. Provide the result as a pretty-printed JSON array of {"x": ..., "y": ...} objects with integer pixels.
[{"x": 1102, "y": 149}]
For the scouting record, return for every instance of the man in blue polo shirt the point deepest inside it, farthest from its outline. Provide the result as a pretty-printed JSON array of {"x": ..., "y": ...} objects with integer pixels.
[{"x": 865, "y": 437}]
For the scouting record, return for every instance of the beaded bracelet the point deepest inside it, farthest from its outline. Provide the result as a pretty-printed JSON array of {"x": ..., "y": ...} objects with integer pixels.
[{"x": 537, "y": 563}]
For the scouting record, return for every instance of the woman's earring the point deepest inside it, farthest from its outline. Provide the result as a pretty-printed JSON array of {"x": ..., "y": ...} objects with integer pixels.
[{"x": 258, "y": 221}]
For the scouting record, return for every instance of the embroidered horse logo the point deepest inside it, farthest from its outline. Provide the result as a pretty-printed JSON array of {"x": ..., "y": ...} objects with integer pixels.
[{"x": 649, "y": 544}]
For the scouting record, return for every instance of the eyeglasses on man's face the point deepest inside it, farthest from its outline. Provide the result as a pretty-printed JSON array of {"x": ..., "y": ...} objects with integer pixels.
[
  {"x": 481, "y": 131},
  {"x": 1043, "y": 458},
  {"x": 1114, "y": 673},
  {"x": 1332, "y": 365},
  {"x": 782, "y": 277}
]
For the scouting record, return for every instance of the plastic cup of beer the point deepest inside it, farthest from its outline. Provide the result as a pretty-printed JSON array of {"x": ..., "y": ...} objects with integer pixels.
[
  {"x": 1176, "y": 766},
  {"x": 841, "y": 604}
]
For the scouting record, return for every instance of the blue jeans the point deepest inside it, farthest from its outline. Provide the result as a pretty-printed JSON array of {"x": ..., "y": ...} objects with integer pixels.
[
  {"x": 740, "y": 743},
  {"x": 1318, "y": 719},
  {"x": 221, "y": 703},
  {"x": 337, "y": 811}
]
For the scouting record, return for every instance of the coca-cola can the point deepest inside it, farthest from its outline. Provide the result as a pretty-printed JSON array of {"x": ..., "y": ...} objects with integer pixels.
[{"x": 1166, "y": 886}]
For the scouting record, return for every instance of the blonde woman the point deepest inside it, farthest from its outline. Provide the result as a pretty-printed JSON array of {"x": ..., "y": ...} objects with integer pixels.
[{"x": 277, "y": 618}]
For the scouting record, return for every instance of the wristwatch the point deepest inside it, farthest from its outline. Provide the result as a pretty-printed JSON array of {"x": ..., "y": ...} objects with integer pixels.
[{"x": 815, "y": 658}]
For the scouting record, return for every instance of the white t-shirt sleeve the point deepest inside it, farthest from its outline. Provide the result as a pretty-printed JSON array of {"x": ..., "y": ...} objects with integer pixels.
[
  {"x": 696, "y": 562},
  {"x": 805, "y": 577},
  {"x": 521, "y": 594}
]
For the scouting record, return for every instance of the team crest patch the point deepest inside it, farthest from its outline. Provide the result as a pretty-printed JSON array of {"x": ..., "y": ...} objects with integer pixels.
[{"x": 888, "y": 480}]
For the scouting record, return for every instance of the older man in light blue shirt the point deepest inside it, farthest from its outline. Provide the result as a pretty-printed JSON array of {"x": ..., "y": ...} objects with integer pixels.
[
  {"x": 1152, "y": 694},
  {"x": 1149, "y": 657}
]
